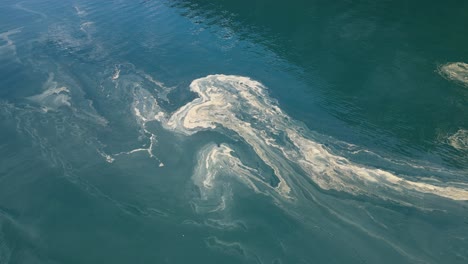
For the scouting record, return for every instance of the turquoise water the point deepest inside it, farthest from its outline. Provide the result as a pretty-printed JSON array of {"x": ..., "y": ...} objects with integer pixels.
[{"x": 233, "y": 131}]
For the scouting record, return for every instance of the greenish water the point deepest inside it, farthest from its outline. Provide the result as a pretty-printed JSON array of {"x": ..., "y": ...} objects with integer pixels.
[{"x": 233, "y": 132}]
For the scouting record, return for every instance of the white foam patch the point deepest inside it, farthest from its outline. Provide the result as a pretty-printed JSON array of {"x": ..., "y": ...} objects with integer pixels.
[
  {"x": 239, "y": 104},
  {"x": 146, "y": 93},
  {"x": 334, "y": 172},
  {"x": 21, "y": 7},
  {"x": 146, "y": 108},
  {"x": 116, "y": 74},
  {"x": 53, "y": 97},
  {"x": 9, "y": 47},
  {"x": 459, "y": 140},
  {"x": 107, "y": 157},
  {"x": 457, "y": 71},
  {"x": 231, "y": 248},
  {"x": 214, "y": 161},
  {"x": 80, "y": 12},
  {"x": 86, "y": 26},
  {"x": 148, "y": 150},
  {"x": 156, "y": 82},
  {"x": 63, "y": 93},
  {"x": 235, "y": 249},
  {"x": 161, "y": 89}
]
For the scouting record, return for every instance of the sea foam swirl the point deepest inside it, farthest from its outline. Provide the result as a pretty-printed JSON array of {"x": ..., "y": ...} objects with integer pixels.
[{"x": 241, "y": 105}]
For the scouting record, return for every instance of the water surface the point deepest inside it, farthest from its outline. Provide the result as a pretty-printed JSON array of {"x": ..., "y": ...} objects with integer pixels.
[{"x": 233, "y": 132}]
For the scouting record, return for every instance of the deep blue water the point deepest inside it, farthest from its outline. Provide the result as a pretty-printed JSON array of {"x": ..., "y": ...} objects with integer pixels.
[{"x": 197, "y": 131}]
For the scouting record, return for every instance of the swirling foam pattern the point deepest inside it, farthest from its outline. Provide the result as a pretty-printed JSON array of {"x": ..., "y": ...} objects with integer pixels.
[{"x": 242, "y": 105}]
